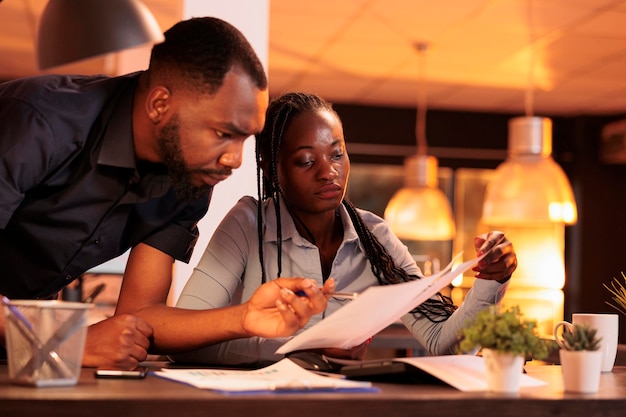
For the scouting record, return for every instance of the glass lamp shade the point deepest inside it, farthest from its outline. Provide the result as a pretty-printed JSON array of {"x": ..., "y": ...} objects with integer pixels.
[
  {"x": 529, "y": 186},
  {"x": 72, "y": 30},
  {"x": 420, "y": 210}
]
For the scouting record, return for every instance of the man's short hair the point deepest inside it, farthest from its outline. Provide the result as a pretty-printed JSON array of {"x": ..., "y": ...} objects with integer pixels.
[{"x": 200, "y": 51}]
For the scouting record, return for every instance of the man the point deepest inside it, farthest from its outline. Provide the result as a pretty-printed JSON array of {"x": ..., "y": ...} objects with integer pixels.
[{"x": 92, "y": 166}]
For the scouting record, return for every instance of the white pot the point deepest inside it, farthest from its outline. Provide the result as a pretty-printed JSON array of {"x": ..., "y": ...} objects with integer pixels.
[
  {"x": 504, "y": 371},
  {"x": 581, "y": 370}
]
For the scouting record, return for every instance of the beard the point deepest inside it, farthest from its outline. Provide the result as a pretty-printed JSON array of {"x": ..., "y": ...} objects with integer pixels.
[{"x": 172, "y": 156}]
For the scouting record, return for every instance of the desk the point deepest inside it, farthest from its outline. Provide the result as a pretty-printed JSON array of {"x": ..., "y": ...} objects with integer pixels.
[{"x": 156, "y": 397}]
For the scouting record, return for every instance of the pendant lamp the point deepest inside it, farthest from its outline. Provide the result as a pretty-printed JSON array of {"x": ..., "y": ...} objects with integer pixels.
[
  {"x": 530, "y": 199},
  {"x": 420, "y": 213},
  {"x": 529, "y": 186},
  {"x": 72, "y": 30},
  {"x": 420, "y": 210}
]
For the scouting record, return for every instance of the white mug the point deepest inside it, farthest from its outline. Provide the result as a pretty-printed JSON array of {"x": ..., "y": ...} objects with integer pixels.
[{"x": 607, "y": 326}]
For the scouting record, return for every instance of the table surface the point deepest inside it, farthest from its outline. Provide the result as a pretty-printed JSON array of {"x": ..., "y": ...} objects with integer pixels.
[{"x": 155, "y": 397}]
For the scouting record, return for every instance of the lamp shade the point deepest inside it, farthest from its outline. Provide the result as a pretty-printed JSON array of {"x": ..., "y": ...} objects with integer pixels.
[
  {"x": 72, "y": 30},
  {"x": 529, "y": 186},
  {"x": 420, "y": 210}
]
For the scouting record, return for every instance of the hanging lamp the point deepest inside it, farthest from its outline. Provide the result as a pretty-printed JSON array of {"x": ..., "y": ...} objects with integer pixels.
[
  {"x": 72, "y": 30},
  {"x": 529, "y": 186},
  {"x": 420, "y": 210},
  {"x": 530, "y": 198}
]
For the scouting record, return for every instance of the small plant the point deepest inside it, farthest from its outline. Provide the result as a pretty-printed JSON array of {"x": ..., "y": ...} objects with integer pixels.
[
  {"x": 580, "y": 337},
  {"x": 619, "y": 294},
  {"x": 504, "y": 331}
]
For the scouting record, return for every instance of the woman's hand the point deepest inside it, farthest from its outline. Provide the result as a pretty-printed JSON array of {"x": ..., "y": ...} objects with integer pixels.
[{"x": 500, "y": 262}]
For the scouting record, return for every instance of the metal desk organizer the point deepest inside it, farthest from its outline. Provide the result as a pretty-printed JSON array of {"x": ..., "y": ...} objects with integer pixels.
[{"x": 45, "y": 341}]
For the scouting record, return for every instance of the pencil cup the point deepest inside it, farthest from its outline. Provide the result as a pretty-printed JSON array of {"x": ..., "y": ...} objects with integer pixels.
[{"x": 45, "y": 341}]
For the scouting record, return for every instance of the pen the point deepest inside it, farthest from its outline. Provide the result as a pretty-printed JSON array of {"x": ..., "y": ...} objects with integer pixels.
[
  {"x": 94, "y": 293},
  {"x": 345, "y": 295},
  {"x": 17, "y": 313}
]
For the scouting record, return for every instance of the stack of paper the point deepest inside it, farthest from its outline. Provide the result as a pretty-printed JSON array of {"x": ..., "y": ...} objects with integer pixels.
[
  {"x": 283, "y": 376},
  {"x": 463, "y": 372}
]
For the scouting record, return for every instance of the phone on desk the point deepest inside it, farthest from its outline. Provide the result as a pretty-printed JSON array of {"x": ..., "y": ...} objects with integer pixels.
[{"x": 138, "y": 373}]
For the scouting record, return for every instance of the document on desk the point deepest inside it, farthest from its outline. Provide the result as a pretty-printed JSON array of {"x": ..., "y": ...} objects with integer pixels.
[
  {"x": 282, "y": 377},
  {"x": 373, "y": 310},
  {"x": 463, "y": 372}
]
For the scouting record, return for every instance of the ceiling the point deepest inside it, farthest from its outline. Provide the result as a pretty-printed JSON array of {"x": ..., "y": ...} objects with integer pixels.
[{"x": 545, "y": 57}]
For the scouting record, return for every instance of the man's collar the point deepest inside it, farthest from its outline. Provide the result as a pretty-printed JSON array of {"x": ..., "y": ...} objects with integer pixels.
[{"x": 117, "y": 146}]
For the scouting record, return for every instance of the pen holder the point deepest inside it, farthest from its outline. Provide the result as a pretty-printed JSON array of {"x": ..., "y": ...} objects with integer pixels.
[{"x": 45, "y": 341}]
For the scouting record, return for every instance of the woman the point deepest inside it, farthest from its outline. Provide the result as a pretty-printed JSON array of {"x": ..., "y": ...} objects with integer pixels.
[{"x": 306, "y": 227}]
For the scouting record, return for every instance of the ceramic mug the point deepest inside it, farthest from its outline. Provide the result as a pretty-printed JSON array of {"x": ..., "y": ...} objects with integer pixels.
[{"x": 607, "y": 326}]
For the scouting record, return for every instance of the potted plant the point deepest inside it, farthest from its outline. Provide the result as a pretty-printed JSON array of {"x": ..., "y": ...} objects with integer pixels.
[
  {"x": 581, "y": 357},
  {"x": 507, "y": 340}
]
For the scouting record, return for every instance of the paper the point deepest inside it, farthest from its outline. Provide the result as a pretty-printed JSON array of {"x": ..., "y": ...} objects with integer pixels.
[
  {"x": 372, "y": 311},
  {"x": 283, "y": 376},
  {"x": 463, "y": 372}
]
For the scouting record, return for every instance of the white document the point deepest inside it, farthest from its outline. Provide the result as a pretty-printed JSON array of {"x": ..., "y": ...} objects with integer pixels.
[
  {"x": 283, "y": 376},
  {"x": 463, "y": 372},
  {"x": 373, "y": 310}
]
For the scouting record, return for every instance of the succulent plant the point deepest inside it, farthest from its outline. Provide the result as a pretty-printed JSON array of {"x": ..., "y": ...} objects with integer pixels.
[{"x": 580, "y": 337}]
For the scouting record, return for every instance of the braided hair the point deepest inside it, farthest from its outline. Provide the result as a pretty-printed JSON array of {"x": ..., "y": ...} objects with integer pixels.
[{"x": 280, "y": 113}]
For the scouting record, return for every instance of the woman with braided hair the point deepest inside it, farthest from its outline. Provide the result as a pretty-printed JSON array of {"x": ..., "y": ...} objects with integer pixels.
[{"x": 305, "y": 227}]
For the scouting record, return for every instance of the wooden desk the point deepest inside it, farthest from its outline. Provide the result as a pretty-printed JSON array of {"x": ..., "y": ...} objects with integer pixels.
[{"x": 155, "y": 397}]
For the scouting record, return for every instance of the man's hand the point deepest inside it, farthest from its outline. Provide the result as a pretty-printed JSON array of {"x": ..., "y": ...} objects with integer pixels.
[
  {"x": 500, "y": 263},
  {"x": 274, "y": 310},
  {"x": 120, "y": 342}
]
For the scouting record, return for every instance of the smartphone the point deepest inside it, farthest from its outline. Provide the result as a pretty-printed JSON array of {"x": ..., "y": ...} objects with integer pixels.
[{"x": 138, "y": 373}]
